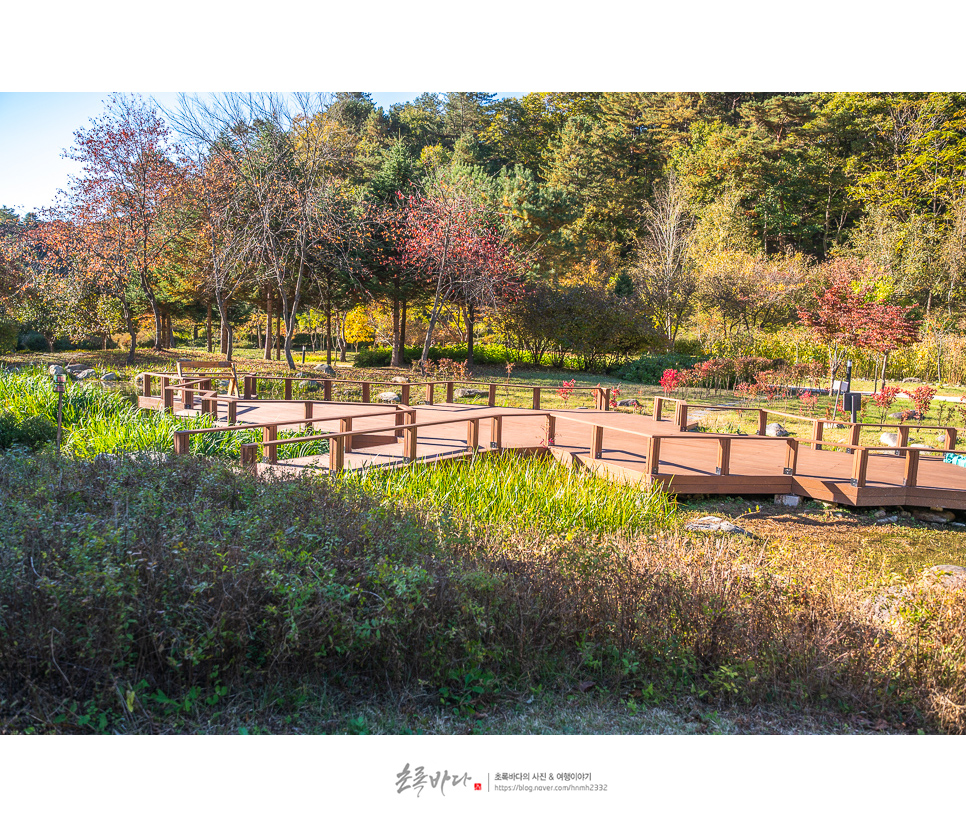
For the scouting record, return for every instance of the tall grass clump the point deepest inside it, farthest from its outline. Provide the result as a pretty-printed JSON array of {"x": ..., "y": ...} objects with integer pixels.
[
  {"x": 100, "y": 420},
  {"x": 519, "y": 492}
]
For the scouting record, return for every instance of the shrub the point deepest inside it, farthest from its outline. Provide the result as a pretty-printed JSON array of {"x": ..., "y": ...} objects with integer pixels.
[
  {"x": 28, "y": 431},
  {"x": 650, "y": 367},
  {"x": 34, "y": 342},
  {"x": 482, "y": 354}
]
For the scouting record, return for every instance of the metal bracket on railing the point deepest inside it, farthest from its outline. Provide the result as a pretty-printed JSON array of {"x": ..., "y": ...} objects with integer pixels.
[
  {"x": 787, "y": 471},
  {"x": 717, "y": 470},
  {"x": 854, "y": 482},
  {"x": 494, "y": 444}
]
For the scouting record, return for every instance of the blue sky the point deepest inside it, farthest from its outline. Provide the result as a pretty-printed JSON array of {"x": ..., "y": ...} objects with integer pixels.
[{"x": 36, "y": 127}]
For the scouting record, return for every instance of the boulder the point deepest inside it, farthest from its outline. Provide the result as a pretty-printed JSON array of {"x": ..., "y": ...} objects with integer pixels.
[
  {"x": 628, "y": 404},
  {"x": 912, "y": 379},
  {"x": 54, "y": 370},
  {"x": 389, "y": 397},
  {"x": 77, "y": 367},
  {"x": 471, "y": 392},
  {"x": 776, "y": 430},
  {"x": 713, "y": 524},
  {"x": 110, "y": 376},
  {"x": 788, "y": 500},
  {"x": 399, "y": 379},
  {"x": 887, "y": 519},
  {"x": 946, "y": 575},
  {"x": 90, "y": 373},
  {"x": 889, "y": 438},
  {"x": 933, "y": 517},
  {"x": 326, "y": 369},
  {"x": 309, "y": 385}
]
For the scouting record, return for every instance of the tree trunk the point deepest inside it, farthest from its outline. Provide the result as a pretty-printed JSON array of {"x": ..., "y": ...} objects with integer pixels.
[
  {"x": 328, "y": 331},
  {"x": 268, "y": 324},
  {"x": 278, "y": 330},
  {"x": 171, "y": 341},
  {"x": 227, "y": 336},
  {"x": 342, "y": 341},
  {"x": 396, "y": 360},
  {"x": 470, "y": 318},
  {"x": 208, "y": 327}
]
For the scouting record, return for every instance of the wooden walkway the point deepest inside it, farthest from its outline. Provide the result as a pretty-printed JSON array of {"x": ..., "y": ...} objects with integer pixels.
[{"x": 621, "y": 446}]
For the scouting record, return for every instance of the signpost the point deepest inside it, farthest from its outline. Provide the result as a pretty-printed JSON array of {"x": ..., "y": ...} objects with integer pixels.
[{"x": 60, "y": 385}]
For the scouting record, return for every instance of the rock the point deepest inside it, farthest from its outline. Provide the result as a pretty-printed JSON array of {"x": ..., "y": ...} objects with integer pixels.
[
  {"x": 399, "y": 379},
  {"x": 55, "y": 370},
  {"x": 902, "y": 416},
  {"x": 920, "y": 446},
  {"x": 324, "y": 368},
  {"x": 775, "y": 430},
  {"x": 881, "y": 512},
  {"x": 110, "y": 376},
  {"x": 946, "y": 575},
  {"x": 471, "y": 392},
  {"x": 628, "y": 404},
  {"x": 309, "y": 385},
  {"x": 713, "y": 524},
  {"x": 77, "y": 367},
  {"x": 912, "y": 379},
  {"x": 788, "y": 500},
  {"x": 90, "y": 373},
  {"x": 889, "y": 438},
  {"x": 931, "y": 517},
  {"x": 887, "y": 519},
  {"x": 390, "y": 397}
]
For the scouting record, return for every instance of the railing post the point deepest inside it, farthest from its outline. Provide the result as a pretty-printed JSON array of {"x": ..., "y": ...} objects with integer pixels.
[
  {"x": 658, "y": 407},
  {"x": 404, "y": 393},
  {"x": 288, "y": 388},
  {"x": 232, "y": 415},
  {"x": 449, "y": 392},
  {"x": 818, "y": 427},
  {"x": 309, "y": 410},
  {"x": 492, "y": 398},
  {"x": 791, "y": 456},
  {"x": 723, "y": 466},
  {"x": 345, "y": 424},
  {"x": 336, "y": 454},
  {"x": 762, "y": 421},
  {"x": 653, "y": 455},
  {"x": 410, "y": 445},
  {"x": 188, "y": 397},
  {"x": 950, "y": 439},
  {"x": 903, "y": 438},
  {"x": 168, "y": 399},
  {"x": 365, "y": 391},
  {"x": 596, "y": 442},
  {"x": 181, "y": 441},
  {"x": 473, "y": 434},
  {"x": 430, "y": 392},
  {"x": 860, "y": 467},
  {"x": 270, "y": 433},
  {"x": 496, "y": 432},
  {"x": 146, "y": 385},
  {"x": 607, "y": 399},
  {"x": 400, "y": 420},
  {"x": 681, "y": 416},
  {"x": 551, "y": 430},
  {"x": 327, "y": 390},
  {"x": 854, "y": 434},
  {"x": 536, "y": 398},
  {"x": 249, "y": 455},
  {"x": 911, "y": 468}
]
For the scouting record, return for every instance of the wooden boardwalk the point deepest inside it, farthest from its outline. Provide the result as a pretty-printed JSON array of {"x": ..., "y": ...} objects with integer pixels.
[{"x": 617, "y": 445}]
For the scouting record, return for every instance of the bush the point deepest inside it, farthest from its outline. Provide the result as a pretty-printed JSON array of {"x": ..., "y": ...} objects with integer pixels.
[
  {"x": 8, "y": 336},
  {"x": 482, "y": 354},
  {"x": 34, "y": 342},
  {"x": 650, "y": 367},
  {"x": 28, "y": 431}
]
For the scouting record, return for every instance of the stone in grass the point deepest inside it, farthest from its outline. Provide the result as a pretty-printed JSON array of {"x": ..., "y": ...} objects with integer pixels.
[
  {"x": 946, "y": 575},
  {"x": 889, "y": 438},
  {"x": 788, "y": 500},
  {"x": 776, "y": 430},
  {"x": 471, "y": 392},
  {"x": 309, "y": 385},
  {"x": 628, "y": 404},
  {"x": 77, "y": 367},
  {"x": 90, "y": 373},
  {"x": 399, "y": 380},
  {"x": 390, "y": 397},
  {"x": 110, "y": 376},
  {"x": 713, "y": 524},
  {"x": 55, "y": 370},
  {"x": 933, "y": 517}
]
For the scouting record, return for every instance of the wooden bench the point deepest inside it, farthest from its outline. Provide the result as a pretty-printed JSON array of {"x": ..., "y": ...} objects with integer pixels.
[{"x": 189, "y": 371}]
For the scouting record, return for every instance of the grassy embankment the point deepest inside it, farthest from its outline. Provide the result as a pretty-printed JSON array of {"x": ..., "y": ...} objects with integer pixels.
[{"x": 143, "y": 595}]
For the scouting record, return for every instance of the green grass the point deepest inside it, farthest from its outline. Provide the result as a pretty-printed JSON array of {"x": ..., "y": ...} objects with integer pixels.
[{"x": 510, "y": 492}]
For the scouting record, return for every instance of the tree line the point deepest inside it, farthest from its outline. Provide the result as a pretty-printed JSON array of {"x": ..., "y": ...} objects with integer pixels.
[{"x": 634, "y": 217}]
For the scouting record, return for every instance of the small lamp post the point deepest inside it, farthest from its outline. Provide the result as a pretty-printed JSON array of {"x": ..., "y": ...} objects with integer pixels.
[
  {"x": 303, "y": 354},
  {"x": 60, "y": 385}
]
